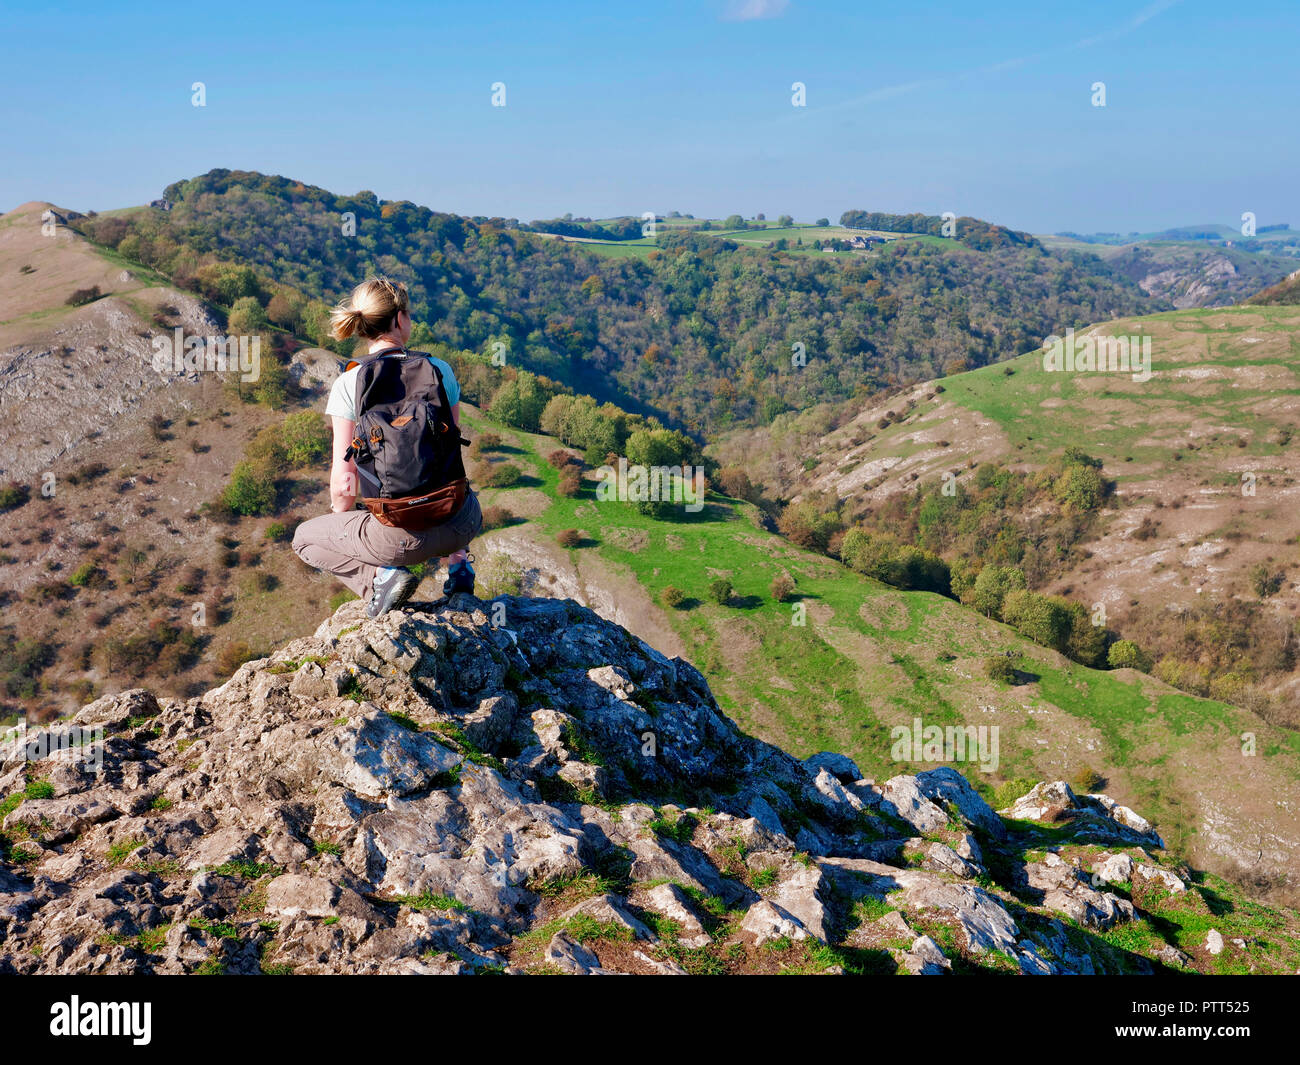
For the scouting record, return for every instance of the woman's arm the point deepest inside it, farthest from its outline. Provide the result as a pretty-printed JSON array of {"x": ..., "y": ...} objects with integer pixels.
[{"x": 343, "y": 472}]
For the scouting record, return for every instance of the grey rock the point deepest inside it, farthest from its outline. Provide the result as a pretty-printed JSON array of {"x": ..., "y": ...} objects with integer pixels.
[
  {"x": 902, "y": 797},
  {"x": 925, "y": 958},
  {"x": 670, "y": 901},
  {"x": 765, "y": 921},
  {"x": 839, "y": 765}
]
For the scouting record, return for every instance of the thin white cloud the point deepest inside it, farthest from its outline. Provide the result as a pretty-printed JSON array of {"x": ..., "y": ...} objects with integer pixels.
[
  {"x": 749, "y": 10},
  {"x": 888, "y": 92},
  {"x": 1145, "y": 15}
]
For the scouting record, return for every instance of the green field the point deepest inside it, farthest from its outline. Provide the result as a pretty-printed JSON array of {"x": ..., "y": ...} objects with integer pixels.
[{"x": 1195, "y": 358}]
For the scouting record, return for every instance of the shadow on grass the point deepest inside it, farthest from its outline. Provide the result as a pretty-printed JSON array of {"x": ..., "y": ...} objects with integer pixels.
[{"x": 502, "y": 523}]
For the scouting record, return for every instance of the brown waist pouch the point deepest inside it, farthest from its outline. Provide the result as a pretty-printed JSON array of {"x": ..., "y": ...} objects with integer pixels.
[{"x": 423, "y": 511}]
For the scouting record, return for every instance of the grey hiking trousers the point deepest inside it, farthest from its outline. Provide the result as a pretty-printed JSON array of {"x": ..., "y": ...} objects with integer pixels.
[{"x": 354, "y": 545}]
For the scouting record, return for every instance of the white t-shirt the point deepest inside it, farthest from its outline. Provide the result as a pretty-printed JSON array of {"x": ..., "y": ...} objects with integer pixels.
[{"x": 343, "y": 393}]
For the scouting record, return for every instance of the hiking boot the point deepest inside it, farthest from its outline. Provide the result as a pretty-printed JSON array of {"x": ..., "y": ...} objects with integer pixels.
[
  {"x": 393, "y": 587},
  {"x": 460, "y": 578}
]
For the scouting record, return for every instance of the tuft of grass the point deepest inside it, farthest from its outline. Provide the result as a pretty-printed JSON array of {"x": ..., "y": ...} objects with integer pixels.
[
  {"x": 119, "y": 852},
  {"x": 152, "y": 940},
  {"x": 220, "y": 929},
  {"x": 428, "y": 900},
  {"x": 243, "y": 868},
  {"x": 680, "y": 830}
]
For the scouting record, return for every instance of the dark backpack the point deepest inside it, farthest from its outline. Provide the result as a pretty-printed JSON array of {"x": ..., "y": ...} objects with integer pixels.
[{"x": 405, "y": 443}]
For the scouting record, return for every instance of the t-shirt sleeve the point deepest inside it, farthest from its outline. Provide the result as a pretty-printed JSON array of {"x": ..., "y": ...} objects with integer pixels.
[
  {"x": 449, "y": 381},
  {"x": 340, "y": 403}
]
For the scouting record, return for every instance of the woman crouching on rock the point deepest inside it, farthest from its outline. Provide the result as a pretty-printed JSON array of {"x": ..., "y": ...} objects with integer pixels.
[{"x": 396, "y": 417}]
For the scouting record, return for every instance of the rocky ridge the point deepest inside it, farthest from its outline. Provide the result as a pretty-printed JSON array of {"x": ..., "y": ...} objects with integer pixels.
[{"x": 523, "y": 786}]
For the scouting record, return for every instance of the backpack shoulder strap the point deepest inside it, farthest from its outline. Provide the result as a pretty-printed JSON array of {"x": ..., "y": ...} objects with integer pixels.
[{"x": 353, "y": 363}]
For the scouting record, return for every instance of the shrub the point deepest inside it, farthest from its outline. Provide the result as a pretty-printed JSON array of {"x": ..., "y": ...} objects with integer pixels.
[
  {"x": 569, "y": 538},
  {"x": 570, "y": 482},
  {"x": 191, "y": 581},
  {"x": 1127, "y": 654},
  {"x": 500, "y": 575},
  {"x": 278, "y": 532},
  {"x": 559, "y": 458},
  {"x": 1085, "y": 642},
  {"x": 811, "y": 523},
  {"x": 88, "y": 575},
  {"x": 14, "y": 495},
  {"x": 251, "y": 490},
  {"x": 305, "y": 437},
  {"x": 720, "y": 591},
  {"x": 1088, "y": 780},
  {"x": 1000, "y": 668},
  {"x": 234, "y": 655},
  {"x": 83, "y": 296},
  {"x": 1148, "y": 530},
  {"x": 496, "y": 518},
  {"x": 87, "y": 473},
  {"x": 502, "y": 475},
  {"x": 21, "y": 663},
  {"x": 1266, "y": 582},
  {"x": 50, "y": 591},
  {"x": 672, "y": 597},
  {"x": 782, "y": 587}
]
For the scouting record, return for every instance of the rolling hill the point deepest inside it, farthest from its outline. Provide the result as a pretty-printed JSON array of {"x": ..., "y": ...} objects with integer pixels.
[
  {"x": 839, "y": 662},
  {"x": 701, "y": 330},
  {"x": 1195, "y": 552}
]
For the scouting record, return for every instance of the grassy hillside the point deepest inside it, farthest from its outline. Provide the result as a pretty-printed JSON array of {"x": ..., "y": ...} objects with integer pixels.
[
  {"x": 869, "y": 657},
  {"x": 1285, "y": 292},
  {"x": 1193, "y": 556}
]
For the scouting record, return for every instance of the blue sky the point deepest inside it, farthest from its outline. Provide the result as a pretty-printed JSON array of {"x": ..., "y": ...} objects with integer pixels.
[{"x": 978, "y": 108}]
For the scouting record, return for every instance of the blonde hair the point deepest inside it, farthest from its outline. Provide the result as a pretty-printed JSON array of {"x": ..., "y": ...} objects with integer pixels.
[{"x": 370, "y": 311}]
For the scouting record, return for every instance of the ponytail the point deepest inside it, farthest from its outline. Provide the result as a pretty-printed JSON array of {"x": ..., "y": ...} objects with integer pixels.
[{"x": 370, "y": 311}]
